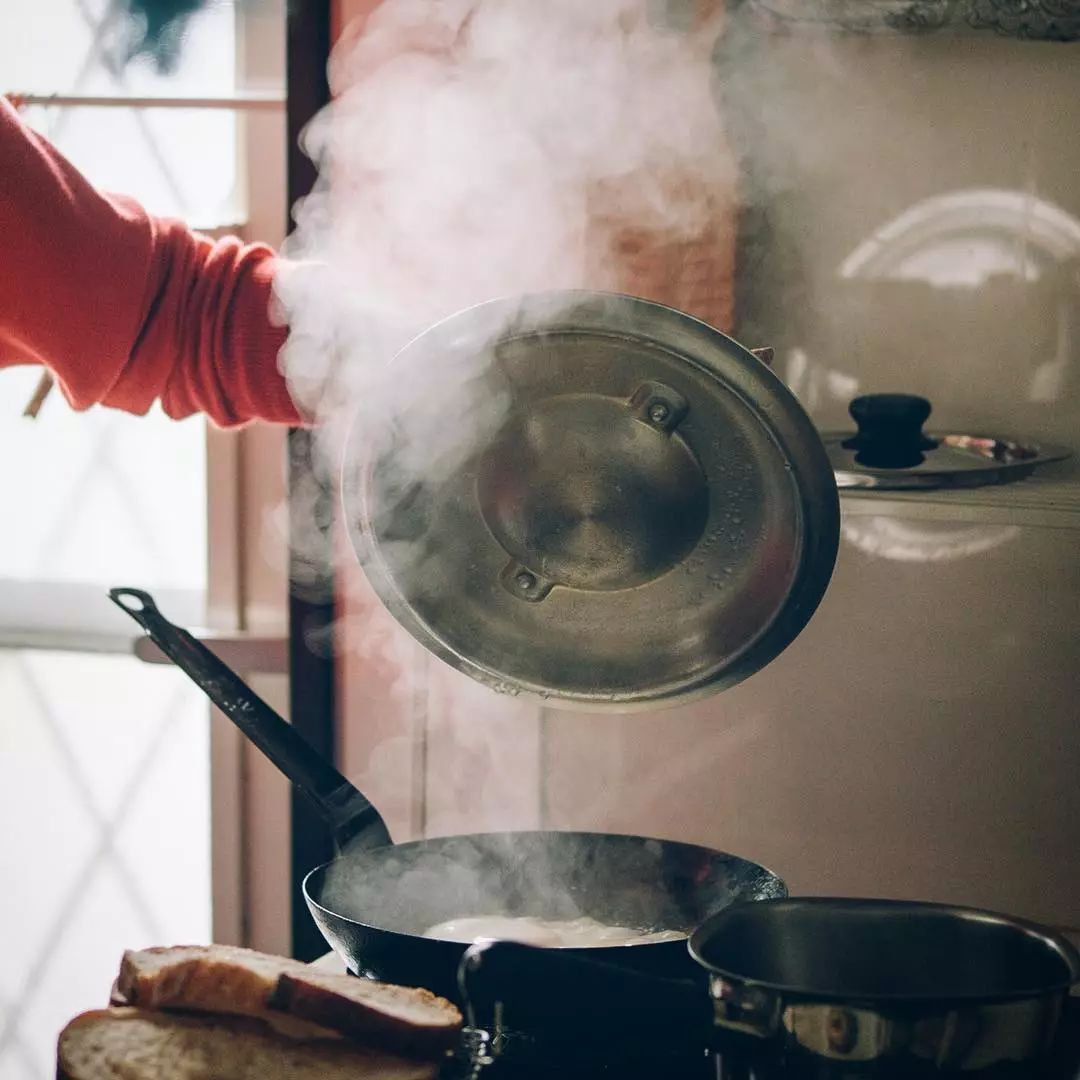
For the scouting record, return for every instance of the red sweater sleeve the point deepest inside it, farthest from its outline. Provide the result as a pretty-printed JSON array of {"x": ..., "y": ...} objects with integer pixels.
[{"x": 126, "y": 308}]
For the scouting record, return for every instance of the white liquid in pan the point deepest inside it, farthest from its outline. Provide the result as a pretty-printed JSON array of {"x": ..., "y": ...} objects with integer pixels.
[{"x": 583, "y": 933}]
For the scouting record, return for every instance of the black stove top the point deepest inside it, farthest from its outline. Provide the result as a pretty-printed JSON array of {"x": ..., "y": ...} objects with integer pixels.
[{"x": 578, "y": 1058}]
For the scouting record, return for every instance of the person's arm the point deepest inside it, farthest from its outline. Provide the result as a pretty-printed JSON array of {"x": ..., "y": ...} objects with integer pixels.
[{"x": 126, "y": 308}]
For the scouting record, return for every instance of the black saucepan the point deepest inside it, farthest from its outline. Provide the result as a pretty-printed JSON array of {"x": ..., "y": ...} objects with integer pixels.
[
  {"x": 819, "y": 987},
  {"x": 374, "y": 902}
]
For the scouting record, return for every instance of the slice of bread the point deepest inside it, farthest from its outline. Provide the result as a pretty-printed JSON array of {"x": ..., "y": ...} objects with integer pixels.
[
  {"x": 134, "y": 1044},
  {"x": 402, "y": 1018},
  {"x": 212, "y": 978},
  {"x": 224, "y": 979}
]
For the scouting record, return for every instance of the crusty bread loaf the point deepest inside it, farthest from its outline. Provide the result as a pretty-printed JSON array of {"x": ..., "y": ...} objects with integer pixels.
[
  {"x": 224, "y": 979},
  {"x": 406, "y": 1019},
  {"x": 135, "y": 1044}
]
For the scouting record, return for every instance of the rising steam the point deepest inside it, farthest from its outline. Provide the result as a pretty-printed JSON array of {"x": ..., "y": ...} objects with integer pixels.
[
  {"x": 486, "y": 148},
  {"x": 478, "y": 149}
]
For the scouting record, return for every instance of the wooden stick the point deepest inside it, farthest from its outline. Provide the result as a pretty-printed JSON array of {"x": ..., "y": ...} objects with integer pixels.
[
  {"x": 41, "y": 392},
  {"x": 239, "y": 103}
]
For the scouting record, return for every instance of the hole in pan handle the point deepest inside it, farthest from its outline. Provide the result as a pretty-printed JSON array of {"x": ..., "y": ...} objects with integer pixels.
[
  {"x": 518, "y": 981},
  {"x": 342, "y": 806}
]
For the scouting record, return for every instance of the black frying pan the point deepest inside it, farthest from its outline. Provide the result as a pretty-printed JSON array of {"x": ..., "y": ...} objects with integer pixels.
[{"x": 376, "y": 899}]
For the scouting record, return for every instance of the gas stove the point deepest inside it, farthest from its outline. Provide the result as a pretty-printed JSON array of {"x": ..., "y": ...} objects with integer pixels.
[{"x": 651, "y": 1057}]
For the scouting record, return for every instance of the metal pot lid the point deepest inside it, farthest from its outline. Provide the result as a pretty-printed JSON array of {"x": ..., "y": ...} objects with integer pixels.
[
  {"x": 890, "y": 450},
  {"x": 592, "y": 499}
]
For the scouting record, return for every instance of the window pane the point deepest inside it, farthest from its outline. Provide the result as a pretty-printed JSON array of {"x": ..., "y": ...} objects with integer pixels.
[
  {"x": 104, "y": 786},
  {"x": 180, "y": 163},
  {"x": 176, "y": 162},
  {"x": 100, "y": 497},
  {"x": 104, "y": 761}
]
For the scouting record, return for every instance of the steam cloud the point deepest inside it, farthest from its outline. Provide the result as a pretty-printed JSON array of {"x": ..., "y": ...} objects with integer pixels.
[
  {"x": 487, "y": 148},
  {"x": 478, "y": 149}
]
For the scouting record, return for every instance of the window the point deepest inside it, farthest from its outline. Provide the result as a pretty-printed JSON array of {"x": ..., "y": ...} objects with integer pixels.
[{"x": 105, "y": 762}]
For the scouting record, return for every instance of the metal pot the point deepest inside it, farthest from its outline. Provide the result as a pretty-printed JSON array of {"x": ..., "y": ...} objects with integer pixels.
[{"x": 828, "y": 987}]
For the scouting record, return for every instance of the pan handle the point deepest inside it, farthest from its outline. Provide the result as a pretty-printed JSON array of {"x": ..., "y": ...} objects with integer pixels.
[
  {"x": 511, "y": 981},
  {"x": 343, "y": 808}
]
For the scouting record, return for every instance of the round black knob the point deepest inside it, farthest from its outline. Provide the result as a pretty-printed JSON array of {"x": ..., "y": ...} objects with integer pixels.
[{"x": 890, "y": 432}]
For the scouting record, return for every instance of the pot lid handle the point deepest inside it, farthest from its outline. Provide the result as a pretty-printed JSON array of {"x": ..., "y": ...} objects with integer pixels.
[{"x": 890, "y": 434}]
